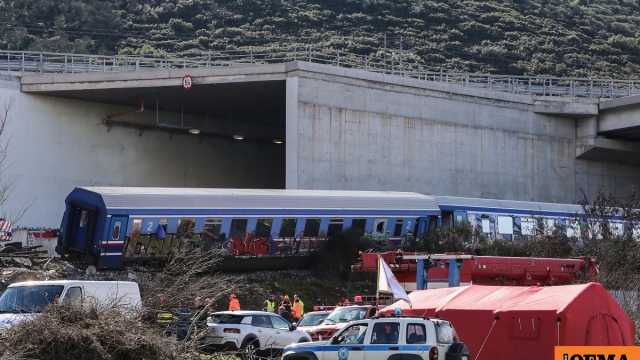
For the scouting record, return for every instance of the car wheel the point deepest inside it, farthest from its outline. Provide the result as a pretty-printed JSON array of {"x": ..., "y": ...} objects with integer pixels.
[
  {"x": 249, "y": 349},
  {"x": 303, "y": 340}
]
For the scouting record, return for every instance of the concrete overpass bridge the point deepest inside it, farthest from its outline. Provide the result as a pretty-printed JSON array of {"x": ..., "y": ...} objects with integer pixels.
[{"x": 313, "y": 119}]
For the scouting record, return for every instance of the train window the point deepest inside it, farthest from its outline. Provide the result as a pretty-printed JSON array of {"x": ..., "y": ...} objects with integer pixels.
[
  {"x": 116, "y": 231},
  {"x": 312, "y": 228},
  {"x": 505, "y": 225},
  {"x": 380, "y": 228},
  {"x": 617, "y": 228},
  {"x": 397, "y": 231},
  {"x": 186, "y": 228},
  {"x": 212, "y": 229},
  {"x": 528, "y": 226},
  {"x": 486, "y": 224},
  {"x": 136, "y": 227},
  {"x": 164, "y": 223},
  {"x": 83, "y": 219},
  {"x": 288, "y": 228},
  {"x": 359, "y": 226},
  {"x": 263, "y": 228},
  {"x": 549, "y": 226},
  {"x": 573, "y": 228},
  {"x": 595, "y": 231},
  {"x": 238, "y": 228},
  {"x": 335, "y": 227}
]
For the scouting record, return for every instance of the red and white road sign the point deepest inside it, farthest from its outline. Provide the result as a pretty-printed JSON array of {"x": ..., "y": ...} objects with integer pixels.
[{"x": 187, "y": 82}]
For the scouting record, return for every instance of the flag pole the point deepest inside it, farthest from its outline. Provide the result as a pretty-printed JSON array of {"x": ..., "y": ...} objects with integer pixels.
[{"x": 377, "y": 285}]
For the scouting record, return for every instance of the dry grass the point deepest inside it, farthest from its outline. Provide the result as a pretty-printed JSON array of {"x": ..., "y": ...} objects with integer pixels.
[{"x": 71, "y": 331}]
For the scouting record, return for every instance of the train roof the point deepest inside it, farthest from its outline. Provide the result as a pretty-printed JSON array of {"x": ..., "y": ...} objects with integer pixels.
[
  {"x": 450, "y": 203},
  {"x": 113, "y": 198}
]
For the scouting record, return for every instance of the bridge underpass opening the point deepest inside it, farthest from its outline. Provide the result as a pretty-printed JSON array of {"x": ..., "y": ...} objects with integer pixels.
[{"x": 228, "y": 135}]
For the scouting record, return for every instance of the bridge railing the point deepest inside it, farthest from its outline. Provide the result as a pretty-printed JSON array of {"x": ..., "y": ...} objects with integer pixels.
[{"x": 393, "y": 64}]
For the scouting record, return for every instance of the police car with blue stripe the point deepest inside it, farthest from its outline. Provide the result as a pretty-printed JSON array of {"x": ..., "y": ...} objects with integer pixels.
[{"x": 385, "y": 337}]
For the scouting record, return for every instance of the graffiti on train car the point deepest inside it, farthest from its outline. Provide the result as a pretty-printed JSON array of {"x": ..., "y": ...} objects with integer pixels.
[{"x": 150, "y": 246}]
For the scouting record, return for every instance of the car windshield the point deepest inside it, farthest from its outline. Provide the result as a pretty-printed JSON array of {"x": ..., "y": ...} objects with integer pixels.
[
  {"x": 346, "y": 314},
  {"x": 312, "y": 319},
  {"x": 29, "y": 299},
  {"x": 225, "y": 319}
]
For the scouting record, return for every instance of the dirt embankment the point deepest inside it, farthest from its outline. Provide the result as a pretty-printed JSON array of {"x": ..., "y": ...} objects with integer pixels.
[{"x": 251, "y": 288}]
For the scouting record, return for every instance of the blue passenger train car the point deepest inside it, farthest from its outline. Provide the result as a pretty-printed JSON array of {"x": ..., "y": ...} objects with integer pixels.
[
  {"x": 510, "y": 220},
  {"x": 110, "y": 226}
]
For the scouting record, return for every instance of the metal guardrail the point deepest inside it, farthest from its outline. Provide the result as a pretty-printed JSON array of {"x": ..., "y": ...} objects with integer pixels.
[{"x": 40, "y": 62}]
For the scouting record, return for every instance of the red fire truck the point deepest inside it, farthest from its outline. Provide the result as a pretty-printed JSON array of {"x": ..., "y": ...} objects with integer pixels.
[{"x": 428, "y": 271}]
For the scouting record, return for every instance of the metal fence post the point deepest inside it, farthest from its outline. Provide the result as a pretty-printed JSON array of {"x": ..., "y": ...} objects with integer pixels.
[
  {"x": 338, "y": 59},
  {"x": 41, "y": 64},
  {"x": 611, "y": 90},
  {"x": 309, "y": 50},
  {"x": 572, "y": 90}
]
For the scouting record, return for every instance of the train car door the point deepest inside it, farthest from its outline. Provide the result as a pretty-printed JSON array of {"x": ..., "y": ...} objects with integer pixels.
[
  {"x": 423, "y": 226},
  {"x": 80, "y": 231},
  {"x": 111, "y": 252}
]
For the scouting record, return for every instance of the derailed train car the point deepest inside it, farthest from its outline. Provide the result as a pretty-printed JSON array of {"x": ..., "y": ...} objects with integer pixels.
[
  {"x": 108, "y": 227},
  {"x": 511, "y": 220}
]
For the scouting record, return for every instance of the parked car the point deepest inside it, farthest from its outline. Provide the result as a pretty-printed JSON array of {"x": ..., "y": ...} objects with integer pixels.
[
  {"x": 253, "y": 332},
  {"x": 311, "y": 319},
  {"x": 385, "y": 337},
  {"x": 339, "y": 318},
  {"x": 26, "y": 300}
]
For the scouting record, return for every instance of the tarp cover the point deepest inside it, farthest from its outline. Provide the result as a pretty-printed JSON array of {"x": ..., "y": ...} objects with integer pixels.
[{"x": 511, "y": 322}]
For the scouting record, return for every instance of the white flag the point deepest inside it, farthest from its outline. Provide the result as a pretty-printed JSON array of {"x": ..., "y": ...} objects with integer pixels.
[{"x": 388, "y": 284}]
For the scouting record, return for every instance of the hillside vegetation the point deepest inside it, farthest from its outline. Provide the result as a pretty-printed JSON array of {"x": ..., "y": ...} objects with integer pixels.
[{"x": 577, "y": 38}]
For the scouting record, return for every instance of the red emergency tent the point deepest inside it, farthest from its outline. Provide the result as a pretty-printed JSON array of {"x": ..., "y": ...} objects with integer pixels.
[{"x": 511, "y": 322}]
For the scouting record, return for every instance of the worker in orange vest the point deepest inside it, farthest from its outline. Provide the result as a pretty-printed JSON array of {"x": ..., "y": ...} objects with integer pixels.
[
  {"x": 234, "y": 304},
  {"x": 298, "y": 308},
  {"x": 344, "y": 302}
]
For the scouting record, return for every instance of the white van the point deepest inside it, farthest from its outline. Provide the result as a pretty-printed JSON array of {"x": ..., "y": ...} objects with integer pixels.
[{"x": 25, "y": 300}]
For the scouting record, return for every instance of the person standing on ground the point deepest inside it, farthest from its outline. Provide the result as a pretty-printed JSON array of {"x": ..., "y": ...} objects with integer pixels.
[
  {"x": 199, "y": 316},
  {"x": 234, "y": 303},
  {"x": 164, "y": 318},
  {"x": 182, "y": 321},
  {"x": 298, "y": 308},
  {"x": 286, "y": 301},
  {"x": 284, "y": 313},
  {"x": 270, "y": 304}
]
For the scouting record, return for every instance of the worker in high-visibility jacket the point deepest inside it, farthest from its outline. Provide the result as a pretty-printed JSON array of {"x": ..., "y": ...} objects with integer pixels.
[
  {"x": 298, "y": 308},
  {"x": 165, "y": 318},
  {"x": 270, "y": 304}
]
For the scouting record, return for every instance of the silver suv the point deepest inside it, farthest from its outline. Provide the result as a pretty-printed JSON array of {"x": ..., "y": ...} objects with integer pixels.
[
  {"x": 384, "y": 337},
  {"x": 252, "y": 332}
]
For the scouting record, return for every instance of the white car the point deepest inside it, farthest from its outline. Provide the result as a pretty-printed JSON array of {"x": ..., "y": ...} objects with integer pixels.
[{"x": 252, "y": 332}]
